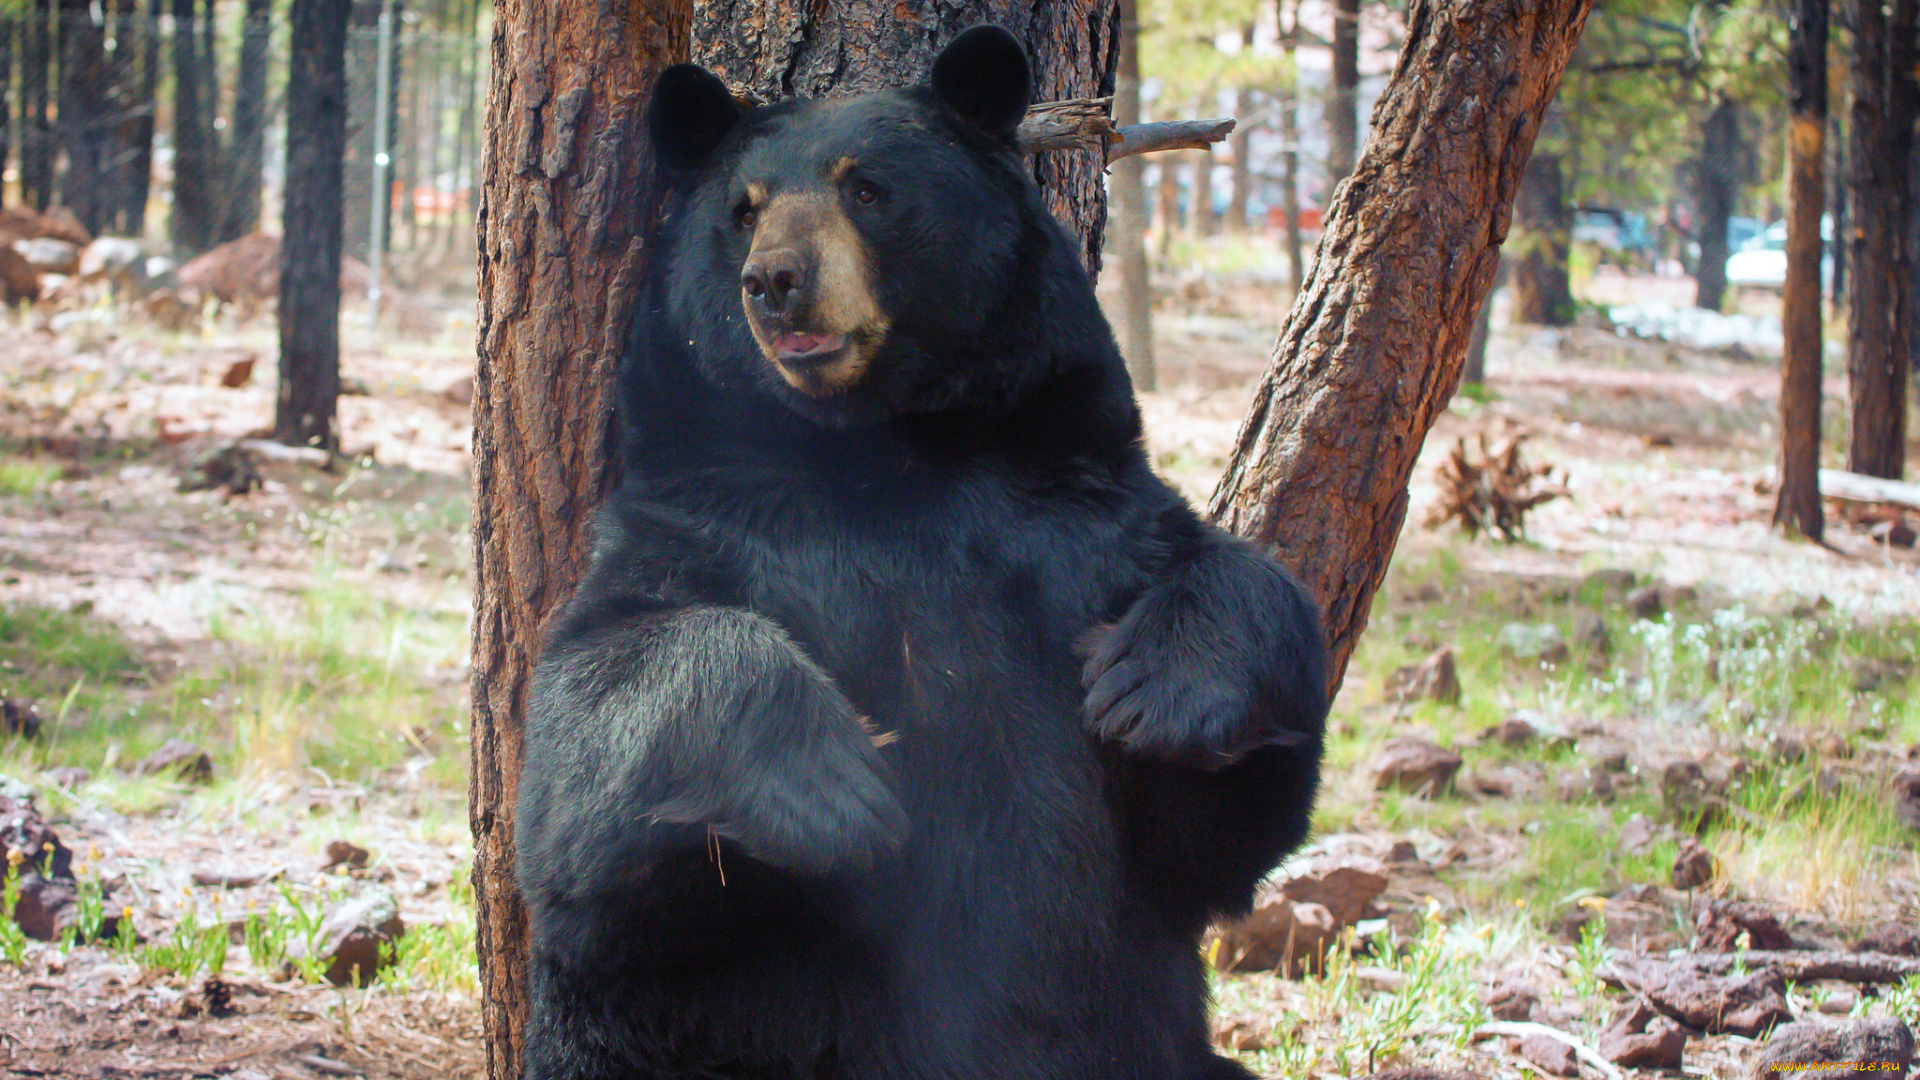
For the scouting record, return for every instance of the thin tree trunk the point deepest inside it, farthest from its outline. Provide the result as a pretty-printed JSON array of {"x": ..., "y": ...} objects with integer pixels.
[
  {"x": 1542, "y": 291},
  {"x": 1289, "y": 110},
  {"x": 139, "y": 122},
  {"x": 1474, "y": 371},
  {"x": 7, "y": 28},
  {"x": 87, "y": 125},
  {"x": 1715, "y": 175},
  {"x": 1343, "y": 96},
  {"x": 1240, "y": 143},
  {"x": 36, "y": 119},
  {"x": 1129, "y": 222},
  {"x": 1167, "y": 204},
  {"x": 1877, "y": 338},
  {"x": 564, "y": 203},
  {"x": 1373, "y": 348},
  {"x": 1837, "y": 195},
  {"x": 310, "y": 255},
  {"x": 1201, "y": 219},
  {"x": 1796, "y": 505},
  {"x": 194, "y": 221},
  {"x": 813, "y": 48},
  {"x": 247, "y": 159}
]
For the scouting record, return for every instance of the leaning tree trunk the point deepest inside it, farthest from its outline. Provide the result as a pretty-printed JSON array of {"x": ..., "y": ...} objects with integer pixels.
[
  {"x": 1715, "y": 178},
  {"x": 1877, "y": 336},
  {"x": 307, "y": 409},
  {"x": 1796, "y": 505},
  {"x": 564, "y": 204},
  {"x": 788, "y": 48},
  {"x": 1542, "y": 291},
  {"x": 1129, "y": 196},
  {"x": 1373, "y": 347}
]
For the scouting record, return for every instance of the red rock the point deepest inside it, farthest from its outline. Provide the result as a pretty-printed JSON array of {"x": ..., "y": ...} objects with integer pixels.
[
  {"x": 1432, "y": 679},
  {"x": 1881, "y": 1048},
  {"x": 1638, "y": 1037},
  {"x": 1416, "y": 766},
  {"x": 1550, "y": 1055},
  {"x": 1719, "y": 925},
  {"x": 1693, "y": 867}
]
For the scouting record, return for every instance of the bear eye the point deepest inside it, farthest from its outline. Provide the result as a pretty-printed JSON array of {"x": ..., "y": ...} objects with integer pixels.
[
  {"x": 745, "y": 216},
  {"x": 866, "y": 193}
]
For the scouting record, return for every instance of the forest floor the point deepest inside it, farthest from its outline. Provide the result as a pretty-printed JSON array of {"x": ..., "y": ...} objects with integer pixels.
[{"x": 309, "y": 633}]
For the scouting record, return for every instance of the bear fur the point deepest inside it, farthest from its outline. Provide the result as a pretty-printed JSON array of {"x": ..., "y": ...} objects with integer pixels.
[{"x": 905, "y": 726}]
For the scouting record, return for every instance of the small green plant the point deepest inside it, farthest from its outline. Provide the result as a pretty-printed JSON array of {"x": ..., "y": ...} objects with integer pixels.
[
  {"x": 305, "y": 920},
  {"x": 191, "y": 947},
  {"x": 13, "y": 940},
  {"x": 266, "y": 939}
]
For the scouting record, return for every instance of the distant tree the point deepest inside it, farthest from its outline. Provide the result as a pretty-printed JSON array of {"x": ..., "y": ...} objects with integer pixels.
[
  {"x": 1287, "y": 107},
  {"x": 194, "y": 223},
  {"x": 1343, "y": 96},
  {"x": 1128, "y": 228},
  {"x": 307, "y": 408},
  {"x": 1878, "y": 342},
  {"x": 1796, "y": 505},
  {"x": 1716, "y": 180},
  {"x": 139, "y": 22},
  {"x": 8, "y": 26},
  {"x": 246, "y": 157},
  {"x": 37, "y": 146},
  {"x": 1542, "y": 288}
]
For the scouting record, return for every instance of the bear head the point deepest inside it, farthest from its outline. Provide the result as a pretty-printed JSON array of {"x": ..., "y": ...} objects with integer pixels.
[{"x": 865, "y": 257}]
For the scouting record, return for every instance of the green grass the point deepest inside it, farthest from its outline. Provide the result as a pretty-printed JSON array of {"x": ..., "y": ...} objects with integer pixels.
[{"x": 22, "y": 477}]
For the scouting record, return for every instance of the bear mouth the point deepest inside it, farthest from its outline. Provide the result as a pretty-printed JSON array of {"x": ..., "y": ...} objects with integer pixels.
[{"x": 806, "y": 352}]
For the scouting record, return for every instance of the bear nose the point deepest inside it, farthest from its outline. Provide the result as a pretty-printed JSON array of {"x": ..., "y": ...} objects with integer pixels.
[{"x": 776, "y": 280}]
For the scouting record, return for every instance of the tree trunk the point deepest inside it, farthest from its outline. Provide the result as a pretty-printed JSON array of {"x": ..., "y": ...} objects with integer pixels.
[
  {"x": 1201, "y": 220},
  {"x": 310, "y": 255},
  {"x": 246, "y": 164},
  {"x": 1241, "y": 171},
  {"x": 1289, "y": 110},
  {"x": 7, "y": 27},
  {"x": 1715, "y": 177},
  {"x": 1168, "y": 203},
  {"x": 564, "y": 203},
  {"x": 1343, "y": 95},
  {"x": 1877, "y": 338},
  {"x": 1542, "y": 291},
  {"x": 1837, "y": 193},
  {"x": 36, "y": 117},
  {"x": 89, "y": 126},
  {"x": 195, "y": 219},
  {"x": 1373, "y": 348},
  {"x": 789, "y": 48},
  {"x": 1129, "y": 223},
  {"x": 144, "y": 22},
  {"x": 1473, "y": 371},
  {"x": 1796, "y": 505}
]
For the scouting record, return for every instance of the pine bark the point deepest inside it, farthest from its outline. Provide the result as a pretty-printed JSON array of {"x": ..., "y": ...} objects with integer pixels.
[
  {"x": 564, "y": 203},
  {"x": 36, "y": 115},
  {"x": 7, "y": 27},
  {"x": 1129, "y": 195},
  {"x": 1796, "y": 506},
  {"x": 1715, "y": 179},
  {"x": 1343, "y": 96},
  {"x": 1542, "y": 288},
  {"x": 1878, "y": 337},
  {"x": 307, "y": 409},
  {"x": 88, "y": 126},
  {"x": 1373, "y": 347},
  {"x": 195, "y": 220},
  {"x": 143, "y": 21}
]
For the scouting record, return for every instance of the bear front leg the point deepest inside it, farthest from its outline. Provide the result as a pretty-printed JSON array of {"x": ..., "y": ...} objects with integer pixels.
[
  {"x": 1221, "y": 656},
  {"x": 669, "y": 732}
]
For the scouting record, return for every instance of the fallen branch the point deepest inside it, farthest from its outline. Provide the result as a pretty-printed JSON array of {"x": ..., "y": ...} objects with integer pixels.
[
  {"x": 1086, "y": 124},
  {"x": 1855, "y": 967},
  {"x": 1521, "y": 1030},
  {"x": 1852, "y": 487}
]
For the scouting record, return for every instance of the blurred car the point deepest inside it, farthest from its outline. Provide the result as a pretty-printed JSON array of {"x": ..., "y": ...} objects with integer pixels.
[{"x": 1761, "y": 263}]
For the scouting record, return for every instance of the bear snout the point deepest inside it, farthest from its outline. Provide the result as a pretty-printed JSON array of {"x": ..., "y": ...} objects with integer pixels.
[{"x": 776, "y": 282}]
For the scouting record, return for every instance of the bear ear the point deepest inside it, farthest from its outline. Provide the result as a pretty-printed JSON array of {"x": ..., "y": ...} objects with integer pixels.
[
  {"x": 983, "y": 76},
  {"x": 692, "y": 111}
]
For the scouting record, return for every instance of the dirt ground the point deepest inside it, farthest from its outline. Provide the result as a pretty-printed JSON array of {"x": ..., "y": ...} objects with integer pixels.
[{"x": 1667, "y": 452}]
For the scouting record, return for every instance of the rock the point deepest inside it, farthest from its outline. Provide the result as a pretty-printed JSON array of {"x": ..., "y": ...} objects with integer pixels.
[
  {"x": 1550, "y": 1055},
  {"x": 49, "y": 256},
  {"x": 1690, "y": 797},
  {"x": 1606, "y": 753},
  {"x": 1514, "y": 732},
  {"x": 1893, "y": 534},
  {"x": 1416, "y": 766},
  {"x": 1638, "y": 1037},
  {"x": 1432, "y": 679},
  {"x": 1892, "y": 938},
  {"x": 1609, "y": 582},
  {"x": 67, "y": 776},
  {"x": 1876, "y": 674},
  {"x": 19, "y": 718},
  {"x": 1513, "y": 1002},
  {"x": 1535, "y": 642},
  {"x": 1906, "y": 795},
  {"x": 1237, "y": 1034},
  {"x": 180, "y": 759},
  {"x": 1404, "y": 853},
  {"x": 1277, "y": 935},
  {"x": 1645, "y": 603},
  {"x": 18, "y": 279},
  {"x": 1881, "y": 1047},
  {"x": 1678, "y": 596},
  {"x": 48, "y": 906},
  {"x": 170, "y": 310},
  {"x": 117, "y": 260},
  {"x": 1582, "y": 785},
  {"x": 1590, "y": 634},
  {"x": 25, "y": 223},
  {"x": 248, "y": 269},
  {"x": 1718, "y": 925},
  {"x": 1718, "y": 1004},
  {"x": 23, "y": 830},
  {"x": 1831, "y": 744},
  {"x": 1639, "y": 834},
  {"x": 352, "y": 934},
  {"x": 1292, "y": 926},
  {"x": 345, "y": 853},
  {"x": 1693, "y": 867}
]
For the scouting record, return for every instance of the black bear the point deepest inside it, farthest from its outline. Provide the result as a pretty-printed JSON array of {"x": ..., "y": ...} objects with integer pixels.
[{"x": 905, "y": 725}]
